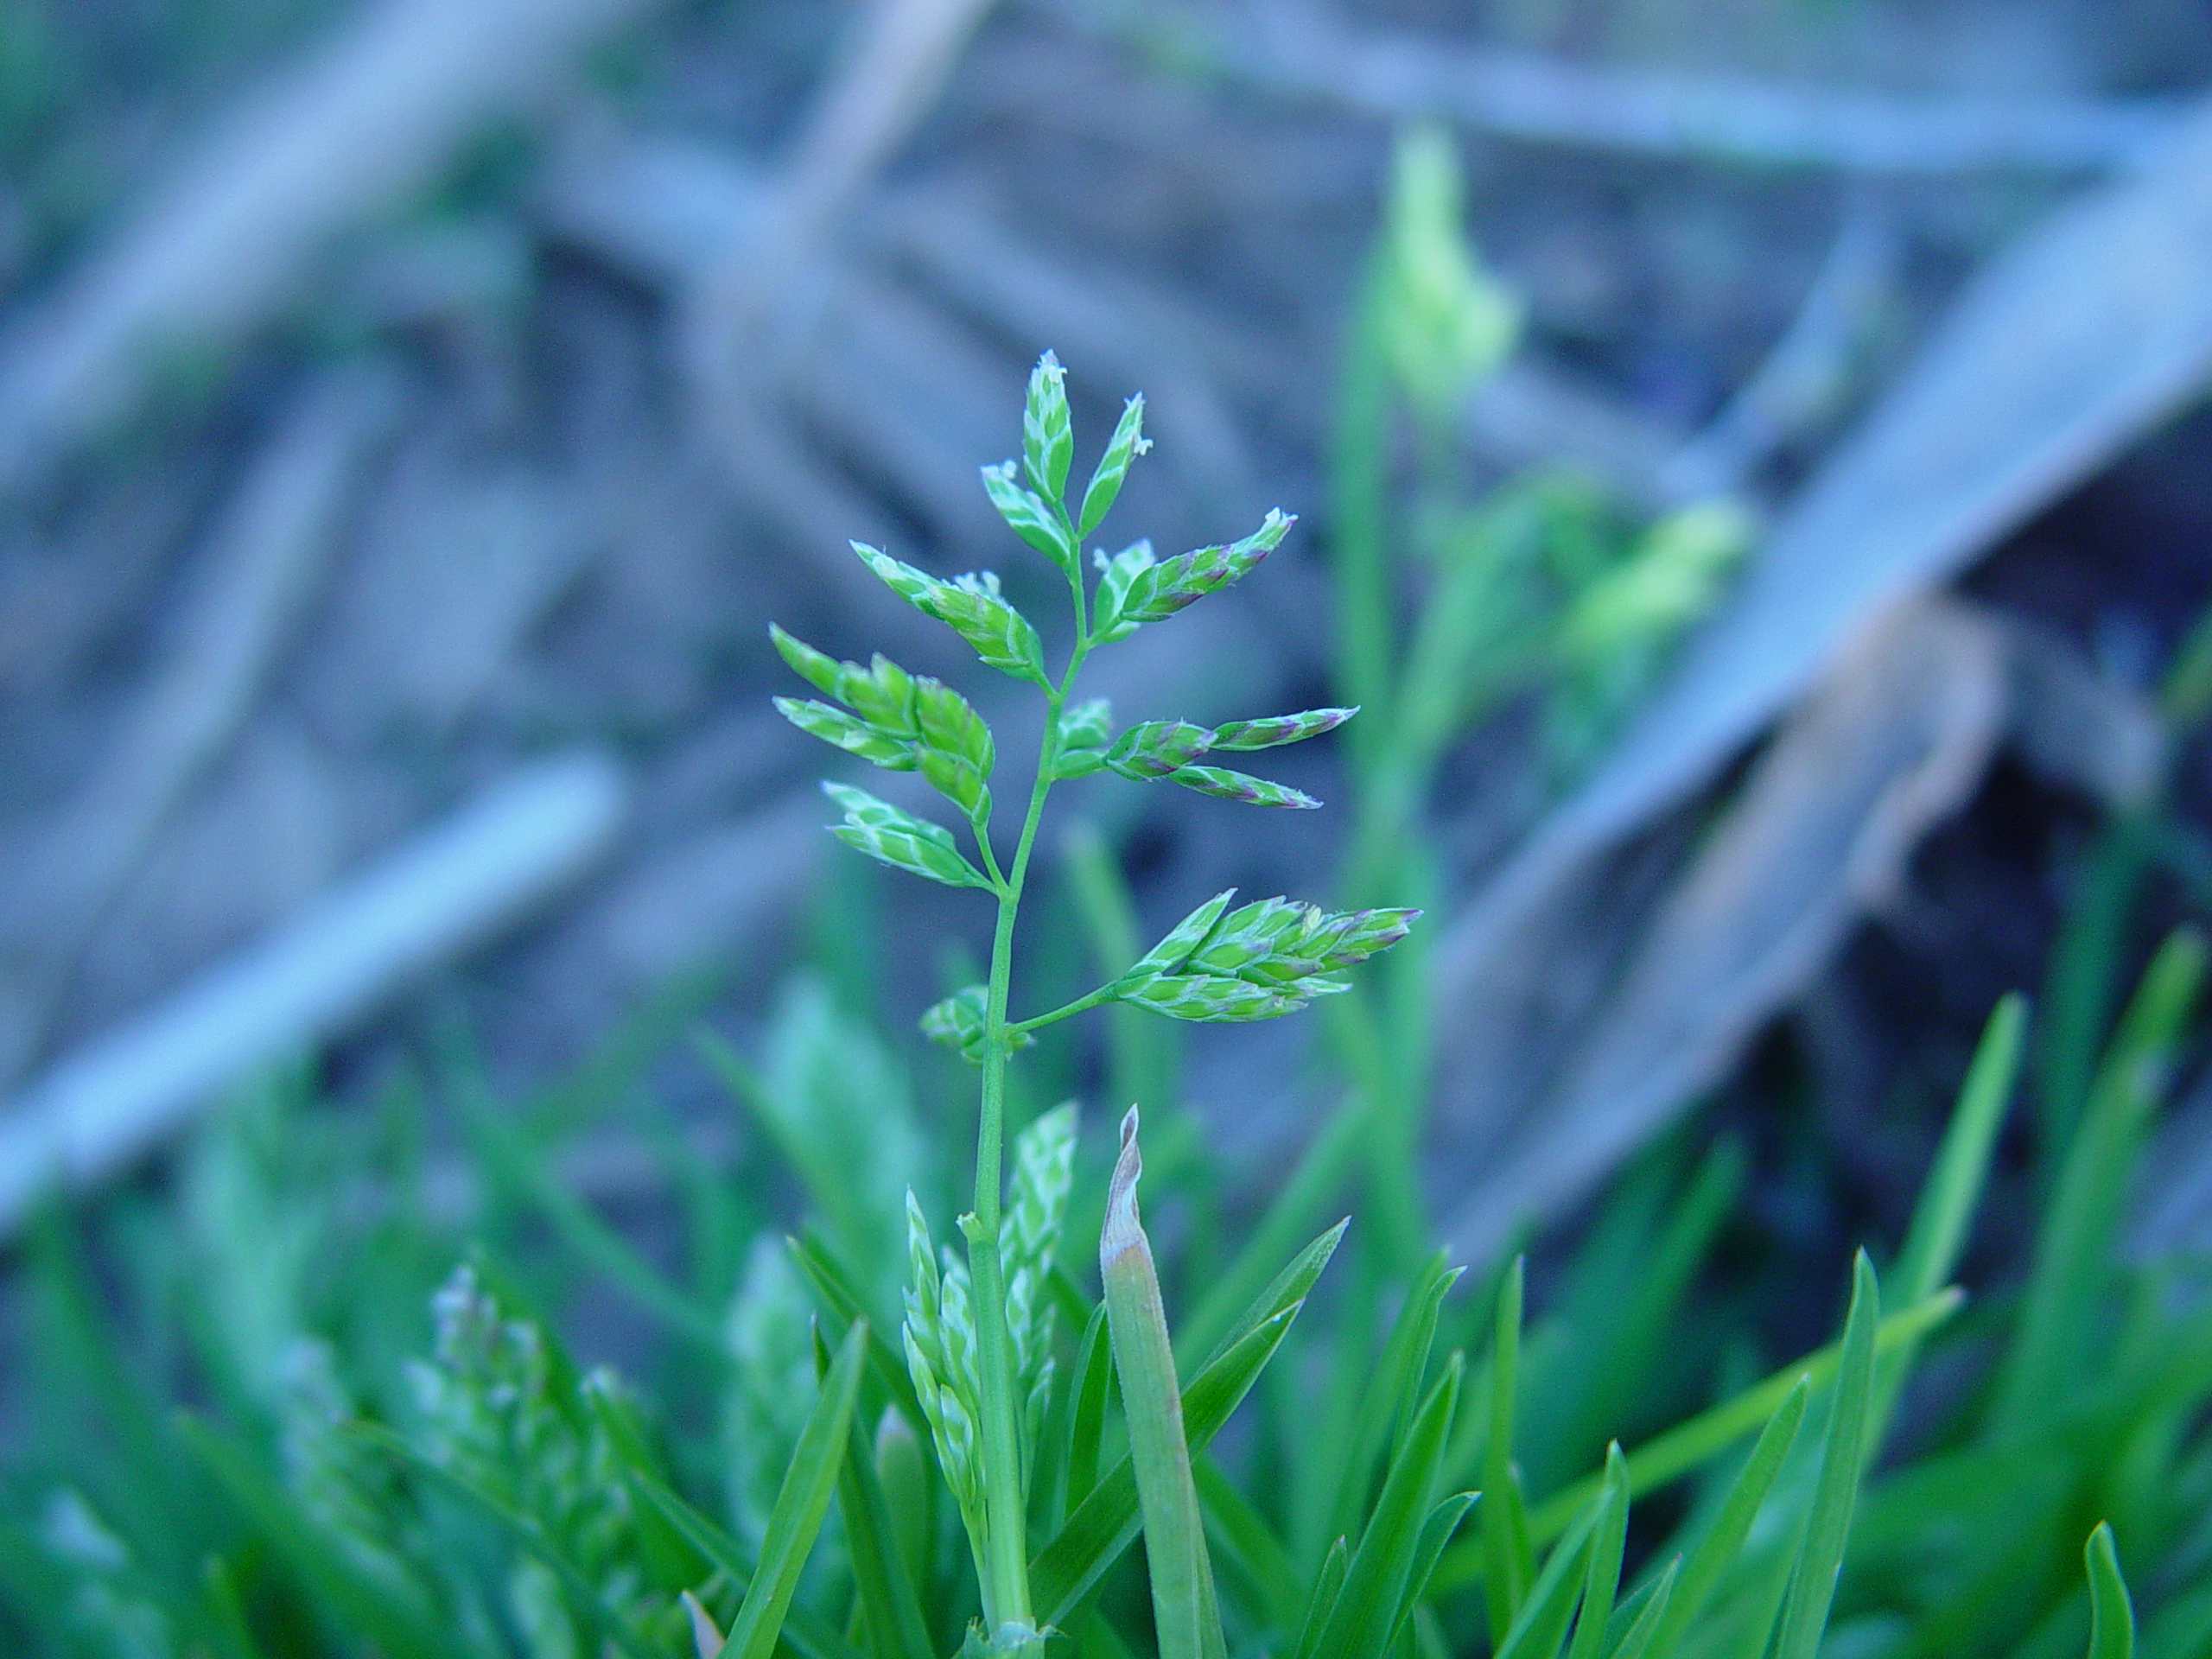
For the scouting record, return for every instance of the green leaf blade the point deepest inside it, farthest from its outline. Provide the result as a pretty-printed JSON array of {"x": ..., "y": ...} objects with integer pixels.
[
  {"x": 1812, "y": 1589},
  {"x": 2112, "y": 1613},
  {"x": 1174, "y": 1532},
  {"x": 800, "y": 1505}
]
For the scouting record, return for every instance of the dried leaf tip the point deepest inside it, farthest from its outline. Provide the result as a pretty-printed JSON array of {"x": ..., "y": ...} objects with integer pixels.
[{"x": 1124, "y": 1230}]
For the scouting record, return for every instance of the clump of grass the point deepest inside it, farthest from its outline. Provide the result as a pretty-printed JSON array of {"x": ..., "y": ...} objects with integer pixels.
[{"x": 1455, "y": 1478}]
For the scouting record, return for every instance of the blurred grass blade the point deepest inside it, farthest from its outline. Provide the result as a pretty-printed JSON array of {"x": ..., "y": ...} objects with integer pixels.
[
  {"x": 1731, "y": 1524},
  {"x": 1096, "y": 1639},
  {"x": 1388, "y": 1391},
  {"x": 2081, "y": 976},
  {"x": 523, "y": 1530},
  {"x": 1640, "y": 1640},
  {"x": 1601, "y": 1579},
  {"x": 1944, "y": 1214},
  {"x": 1813, "y": 1587},
  {"x": 1947, "y": 1204},
  {"x": 1547, "y": 1610},
  {"x": 2072, "y": 1249},
  {"x": 1674, "y": 1453},
  {"x": 1242, "y": 1535},
  {"x": 807, "y": 1634},
  {"x": 801, "y": 1504},
  {"x": 1328, "y": 1585},
  {"x": 1093, "y": 1385},
  {"x": 1508, "y": 1556},
  {"x": 517, "y": 1165},
  {"x": 842, "y": 1304},
  {"x": 2111, "y": 1614},
  {"x": 1174, "y": 1534},
  {"x": 1428, "y": 1549},
  {"x": 903, "y": 1472},
  {"x": 1382, "y": 1564},
  {"x": 325, "y": 1573},
  {"x": 1290, "y": 1286},
  {"x": 1621, "y": 1308},
  {"x": 889, "y": 1604},
  {"x": 720, "y": 1550},
  {"x": 229, "y": 1610},
  {"x": 1141, "y": 1050},
  {"x": 1313, "y": 1180}
]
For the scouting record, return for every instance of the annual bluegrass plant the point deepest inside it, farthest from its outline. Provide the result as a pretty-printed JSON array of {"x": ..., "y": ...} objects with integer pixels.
[
  {"x": 1446, "y": 1476},
  {"x": 978, "y": 1332}
]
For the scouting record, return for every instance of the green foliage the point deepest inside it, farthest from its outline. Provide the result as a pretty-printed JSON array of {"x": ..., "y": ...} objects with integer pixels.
[
  {"x": 391, "y": 1457},
  {"x": 977, "y": 1332}
]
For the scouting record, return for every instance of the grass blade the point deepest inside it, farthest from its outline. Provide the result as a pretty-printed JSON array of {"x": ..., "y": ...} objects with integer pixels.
[
  {"x": 1954, "y": 1189},
  {"x": 841, "y": 1303},
  {"x": 881, "y": 1576},
  {"x": 1508, "y": 1556},
  {"x": 2111, "y": 1614},
  {"x": 1601, "y": 1579},
  {"x": 1549, "y": 1606},
  {"x": 2073, "y": 1251},
  {"x": 1094, "y": 1383},
  {"x": 800, "y": 1505},
  {"x": 1614, "y": 1320},
  {"x": 1242, "y": 1535},
  {"x": 1159, "y": 1454},
  {"x": 807, "y": 1636},
  {"x": 1642, "y": 1635},
  {"x": 1667, "y": 1457},
  {"x": 1386, "y": 1391},
  {"x": 1105, "y": 1523},
  {"x": 1328, "y": 1586},
  {"x": 1731, "y": 1524},
  {"x": 1813, "y": 1587},
  {"x": 1383, "y": 1563},
  {"x": 1428, "y": 1549}
]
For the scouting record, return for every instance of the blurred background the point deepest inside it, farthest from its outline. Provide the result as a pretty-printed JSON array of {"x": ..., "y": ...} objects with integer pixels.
[{"x": 1749, "y": 457}]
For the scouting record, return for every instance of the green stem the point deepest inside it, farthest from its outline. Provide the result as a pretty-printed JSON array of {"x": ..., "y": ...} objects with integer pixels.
[
  {"x": 1066, "y": 1010},
  {"x": 1359, "y": 465},
  {"x": 1005, "y": 1551}
]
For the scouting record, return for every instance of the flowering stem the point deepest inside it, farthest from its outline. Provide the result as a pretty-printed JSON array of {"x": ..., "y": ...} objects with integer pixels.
[{"x": 1006, "y": 1565}]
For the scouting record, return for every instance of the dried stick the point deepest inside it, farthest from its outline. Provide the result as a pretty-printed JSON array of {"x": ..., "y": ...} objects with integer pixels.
[
  {"x": 2093, "y": 327},
  {"x": 348, "y": 134},
  {"x": 1804, "y": 376},
  {"x": 113, "y": 1101},
  {"x": 1537, "y": 98},
  {"x": 265, "y": 558},
  {"x": 1889, "y": 746},
  {"x": 897, "y": 66}
]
